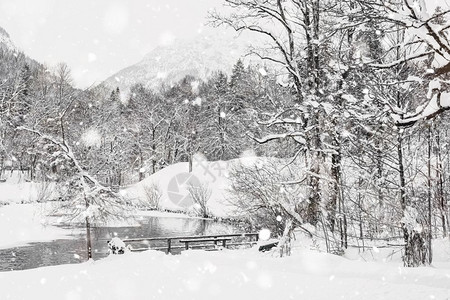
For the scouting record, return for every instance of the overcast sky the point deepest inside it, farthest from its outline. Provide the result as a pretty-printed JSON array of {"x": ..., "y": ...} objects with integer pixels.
[{"x": 97, "y": 38}]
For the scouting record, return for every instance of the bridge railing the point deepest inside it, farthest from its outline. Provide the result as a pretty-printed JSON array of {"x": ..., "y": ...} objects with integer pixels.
[{"x": 173, "y": 244}]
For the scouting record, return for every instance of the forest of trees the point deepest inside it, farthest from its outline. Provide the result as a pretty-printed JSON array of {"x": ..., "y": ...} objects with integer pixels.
[{"x": 349, "y": 103}]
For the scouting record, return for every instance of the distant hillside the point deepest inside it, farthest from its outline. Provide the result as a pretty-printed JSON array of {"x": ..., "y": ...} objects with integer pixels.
[
  {"x": 168, "y": 64},
  {"x": 5, "y": 41},
  {"x": 12, "y": 59}
]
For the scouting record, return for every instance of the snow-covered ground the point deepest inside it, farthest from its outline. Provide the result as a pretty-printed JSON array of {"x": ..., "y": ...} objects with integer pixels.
[
  {"x": 233, "y": 274},
  {"x": 23, "y": 220},
  {"x": 25, "y": 223},
  {"x": 15, "y": 188}
]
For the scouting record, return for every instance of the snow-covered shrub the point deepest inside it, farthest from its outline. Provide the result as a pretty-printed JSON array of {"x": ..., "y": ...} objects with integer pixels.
[
  {"x": 266, "y": 192},
  {"x": 416, "y": 249},
  {"x": 200, "y": 196},
  {"x": 45, "y": 190},
  {"x": 153, "y": 196},
  {"x": 117, "y": 246}
]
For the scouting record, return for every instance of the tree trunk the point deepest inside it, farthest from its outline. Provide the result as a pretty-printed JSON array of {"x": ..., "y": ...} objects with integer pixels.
[
  {"x": 141, "y": 165},
  {"x": 88, "y": 229},
  {"x": 2, "y": 161},
  {"x": 88, "y": 239},
  {"x": 440, "y": 177},
  {"x": 285, "y": 241},
  {"x": 332, "y": 207},
  {"x": 313, "y": 210},
  {"x": 153, "y": 151},
  {"x": 221, "y": 134},
  {"x": 361, "y": 231},
  {"x": 315, "y": 145},
  {"x": 430, "y": 237}
]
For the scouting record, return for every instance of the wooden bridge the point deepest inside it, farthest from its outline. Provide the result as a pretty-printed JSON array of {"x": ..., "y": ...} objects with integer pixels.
[{"x": 208, "y": 242}]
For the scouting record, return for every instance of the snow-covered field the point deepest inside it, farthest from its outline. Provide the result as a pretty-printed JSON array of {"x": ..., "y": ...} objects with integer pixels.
[
  {"x": 15, "y": 188},
  {"x": 25, "y": 223},
  {"x": 233, "y": 274}
]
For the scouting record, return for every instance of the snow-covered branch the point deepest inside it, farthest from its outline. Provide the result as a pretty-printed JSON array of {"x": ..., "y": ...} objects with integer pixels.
[{"x": 439, "y": 103}]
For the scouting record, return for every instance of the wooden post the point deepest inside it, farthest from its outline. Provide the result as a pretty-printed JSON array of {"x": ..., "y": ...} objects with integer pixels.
[
  {"x": 186, "y": 245},
  {"x": 88, "y": 238},
  {"x": 169, "y": 245}
]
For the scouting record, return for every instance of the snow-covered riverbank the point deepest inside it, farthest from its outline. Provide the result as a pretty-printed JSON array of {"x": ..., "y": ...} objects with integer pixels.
[
  {"x": 21, "y": 224},
  {"x": 23, "y": 220}
]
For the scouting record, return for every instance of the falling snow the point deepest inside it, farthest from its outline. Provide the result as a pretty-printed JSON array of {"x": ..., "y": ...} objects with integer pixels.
[{"x": 91, "y": 138}]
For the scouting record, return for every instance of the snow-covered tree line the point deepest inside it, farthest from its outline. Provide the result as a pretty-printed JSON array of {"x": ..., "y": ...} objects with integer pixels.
[{"x": 123, "y": 136}]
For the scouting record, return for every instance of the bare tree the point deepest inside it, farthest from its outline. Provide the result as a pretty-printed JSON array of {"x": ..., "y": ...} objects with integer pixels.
[
  {"x": 153, "y": 196},
  {"x": 264, "y": 193},
  {"x": 200, "y": 196},
  {"x": 87, "y": 200}
]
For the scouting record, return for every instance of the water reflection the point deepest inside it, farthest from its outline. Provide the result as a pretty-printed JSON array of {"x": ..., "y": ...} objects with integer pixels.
[{"x": 66, "y": 251}]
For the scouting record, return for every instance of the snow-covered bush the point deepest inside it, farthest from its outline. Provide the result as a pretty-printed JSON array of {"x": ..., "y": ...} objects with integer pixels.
[
  {"x": 264, "y": 193},
  {"x": 117, "y": 246},
  {"x": 200, "y": 196},
  {"x": 45, "y": 190},
  {"x": 153, "y": 196}
]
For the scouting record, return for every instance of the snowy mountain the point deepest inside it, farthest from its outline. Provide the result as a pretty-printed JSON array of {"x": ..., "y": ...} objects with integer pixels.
[
  {"x": 199, "y": 57},
  {"x": 5, "y": 41}
]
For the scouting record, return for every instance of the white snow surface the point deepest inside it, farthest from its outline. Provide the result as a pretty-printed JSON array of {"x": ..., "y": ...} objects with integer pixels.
[
  {"x": 227, "y": 274},
  {"x": 15, "y": 188},
  {"x": 21, "y": 224}
]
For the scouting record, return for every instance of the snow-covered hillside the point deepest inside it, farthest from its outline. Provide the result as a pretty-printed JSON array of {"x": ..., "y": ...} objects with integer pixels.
[
  {"x": 173, "y": 180},
  {"x": 5, "y": 41},
  {"x": 168, "y": 64}
]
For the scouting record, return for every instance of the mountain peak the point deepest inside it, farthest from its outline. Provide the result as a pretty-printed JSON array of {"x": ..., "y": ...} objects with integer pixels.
[
  {"x": 199, "y": 57},
  {"x": 4, "y": 33},
  {"x": 5, "y": 40}
]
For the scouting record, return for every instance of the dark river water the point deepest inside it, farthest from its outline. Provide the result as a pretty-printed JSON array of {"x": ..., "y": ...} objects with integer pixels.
[{"x": 73, "y": 250}]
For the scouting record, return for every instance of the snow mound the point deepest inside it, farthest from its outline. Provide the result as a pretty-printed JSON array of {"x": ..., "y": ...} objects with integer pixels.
[{"x": 173, "y": 184}]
